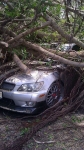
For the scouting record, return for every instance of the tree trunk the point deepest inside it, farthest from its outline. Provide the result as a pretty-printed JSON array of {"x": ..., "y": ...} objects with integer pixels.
[{"x": 20, "y": 64}]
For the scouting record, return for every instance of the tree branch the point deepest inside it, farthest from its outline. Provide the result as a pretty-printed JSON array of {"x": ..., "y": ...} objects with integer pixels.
[
  {"x": 18, "y": 37},
  {"x": 38, "y": 48},
  {"x": 76, "y": 11},
  {"x": 63, "y": 33},
  {"x": 9, "y": 4},
  {"x": 56, "y": 57},
  {"x": 2, "y": 43}
]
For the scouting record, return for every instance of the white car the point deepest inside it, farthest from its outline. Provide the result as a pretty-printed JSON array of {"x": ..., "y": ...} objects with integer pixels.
[
  {"x": 29, "y": 93},
  {"x": 68, "y": 46}
]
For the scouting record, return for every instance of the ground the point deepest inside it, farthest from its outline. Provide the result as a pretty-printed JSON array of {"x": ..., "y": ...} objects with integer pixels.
[{"x": 66, "y": 133}]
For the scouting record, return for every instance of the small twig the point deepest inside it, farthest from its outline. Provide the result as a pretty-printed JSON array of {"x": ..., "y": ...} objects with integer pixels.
[
  {"x": 47, "y": 142},
  {"x": 63, "y": 128}
]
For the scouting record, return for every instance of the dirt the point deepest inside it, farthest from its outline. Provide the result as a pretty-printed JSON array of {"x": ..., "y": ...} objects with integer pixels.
[{"x": 66, "y": 133}]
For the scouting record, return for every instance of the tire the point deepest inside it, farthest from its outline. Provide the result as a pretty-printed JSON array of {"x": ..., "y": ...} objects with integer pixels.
[{"x": 55, "y": 93}]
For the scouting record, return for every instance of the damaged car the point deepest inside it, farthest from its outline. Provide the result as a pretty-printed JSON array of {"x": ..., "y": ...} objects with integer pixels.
[{"x": 32, "y": 92}]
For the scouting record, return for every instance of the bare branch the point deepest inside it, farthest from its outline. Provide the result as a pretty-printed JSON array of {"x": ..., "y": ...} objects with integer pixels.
[
  {"x": 18, "y": 37},
  {"x": 16, "y": 20},
  {"x": 4, "y": 44},
  {"x": 47, "y": 142},
  {"x": 8, "y": 72},
  {"x": 8, "y": 3},
  {"x": 78, "y": 12},
  {"x": 34, "y": 18}
]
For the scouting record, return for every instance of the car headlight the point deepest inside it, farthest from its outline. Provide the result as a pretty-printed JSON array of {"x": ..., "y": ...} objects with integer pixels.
[{"x": 31, "y": 87}]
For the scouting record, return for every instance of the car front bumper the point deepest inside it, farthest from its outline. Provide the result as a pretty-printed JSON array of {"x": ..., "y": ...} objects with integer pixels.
[
  {"x": 22, "y": 98},
  {"x": 8, "y": 104}
]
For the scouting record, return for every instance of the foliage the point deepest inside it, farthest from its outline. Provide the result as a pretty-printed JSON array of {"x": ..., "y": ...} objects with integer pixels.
[{"x": 21, "y": 52}]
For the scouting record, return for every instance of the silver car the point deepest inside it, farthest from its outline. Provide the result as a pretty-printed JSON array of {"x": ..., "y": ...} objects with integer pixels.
[
  {"x": 68, "y": 46},
  {"x": 32, "y": 92}
]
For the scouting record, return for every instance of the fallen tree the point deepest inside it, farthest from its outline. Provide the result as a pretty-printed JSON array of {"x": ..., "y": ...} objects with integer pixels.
[{"x": 21, "y": 26}]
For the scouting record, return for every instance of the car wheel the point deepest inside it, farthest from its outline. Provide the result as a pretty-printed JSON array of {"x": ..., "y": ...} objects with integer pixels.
[{"x": 55, "y": 93}]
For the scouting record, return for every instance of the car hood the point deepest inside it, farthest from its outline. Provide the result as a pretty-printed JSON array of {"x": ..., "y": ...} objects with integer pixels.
[{"x": 31, "y": 77}]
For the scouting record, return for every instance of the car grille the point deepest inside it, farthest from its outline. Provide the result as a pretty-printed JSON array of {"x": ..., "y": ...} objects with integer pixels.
[
  {"x": 7, "y": 86},
  {"x": 7, "y": 102}
]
